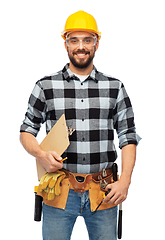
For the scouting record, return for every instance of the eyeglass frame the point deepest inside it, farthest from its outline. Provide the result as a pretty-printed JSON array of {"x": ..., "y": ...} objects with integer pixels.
[{"x": 81, "y": 40}]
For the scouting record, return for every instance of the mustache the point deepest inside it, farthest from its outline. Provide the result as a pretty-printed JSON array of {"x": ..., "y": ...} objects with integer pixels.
[{"x": 81, "y": 51}]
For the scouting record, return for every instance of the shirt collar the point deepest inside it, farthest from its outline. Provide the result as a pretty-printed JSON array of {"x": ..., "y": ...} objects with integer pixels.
[{"x": 69, "y": 75}]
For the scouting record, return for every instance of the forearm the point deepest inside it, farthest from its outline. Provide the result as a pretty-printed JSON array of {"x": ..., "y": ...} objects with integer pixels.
[
  {"x": 119, "y": 189},
  {"x": 49, "y": 160},
  {"x": 30, "y": 144},
  {"x": 128, "y": 162}
]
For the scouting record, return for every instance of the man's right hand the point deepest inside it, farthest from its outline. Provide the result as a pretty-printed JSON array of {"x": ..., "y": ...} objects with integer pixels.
[{"x": 50, "y": 161}]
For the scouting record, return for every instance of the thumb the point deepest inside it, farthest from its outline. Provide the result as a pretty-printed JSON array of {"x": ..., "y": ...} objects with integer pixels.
[
  {"x": 55, "y": 155},
  {"x": 109, "y": 186}
]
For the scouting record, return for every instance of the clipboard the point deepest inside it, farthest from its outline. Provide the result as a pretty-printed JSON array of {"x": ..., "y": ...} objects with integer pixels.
[{"x": 56, "y": 140}]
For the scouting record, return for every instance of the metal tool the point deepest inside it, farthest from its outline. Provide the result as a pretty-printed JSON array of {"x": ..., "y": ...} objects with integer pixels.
[{"x": 114, "y": 171}]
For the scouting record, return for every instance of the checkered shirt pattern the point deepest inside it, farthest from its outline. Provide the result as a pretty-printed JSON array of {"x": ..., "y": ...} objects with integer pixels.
[{"x": 94, "y": 108}]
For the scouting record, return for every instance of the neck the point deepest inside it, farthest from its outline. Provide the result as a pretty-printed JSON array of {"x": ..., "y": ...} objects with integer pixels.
[{"x": 81, "y": 71}]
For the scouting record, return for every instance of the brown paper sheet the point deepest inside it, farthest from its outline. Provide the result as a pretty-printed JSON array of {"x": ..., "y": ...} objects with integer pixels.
[{"x": 57, "y": 140}]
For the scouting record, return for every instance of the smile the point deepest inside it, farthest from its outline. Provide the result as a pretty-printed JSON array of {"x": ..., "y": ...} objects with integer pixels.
[{"x": 81, "y": 55}]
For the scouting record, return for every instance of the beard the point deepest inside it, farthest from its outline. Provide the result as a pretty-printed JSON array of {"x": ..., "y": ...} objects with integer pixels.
[{"x": 81, "y": 63}]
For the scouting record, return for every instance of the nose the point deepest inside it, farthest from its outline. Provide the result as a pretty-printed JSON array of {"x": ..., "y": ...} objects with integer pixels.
[{"x": 81, "y": 46}]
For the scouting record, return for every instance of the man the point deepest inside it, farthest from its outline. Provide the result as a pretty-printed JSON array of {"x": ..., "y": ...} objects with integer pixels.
[{"x": 94, "y": 104}]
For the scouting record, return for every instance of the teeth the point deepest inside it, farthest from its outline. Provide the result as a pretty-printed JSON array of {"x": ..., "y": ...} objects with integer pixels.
[{"x": 81, "y": 55}]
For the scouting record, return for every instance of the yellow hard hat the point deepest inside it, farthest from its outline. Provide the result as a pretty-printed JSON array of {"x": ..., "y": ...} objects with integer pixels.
[{"x": 81, "y": 21}]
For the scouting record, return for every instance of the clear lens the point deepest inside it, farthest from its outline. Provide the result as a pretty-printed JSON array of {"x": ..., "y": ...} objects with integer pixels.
[{"x": 74, "y": 42}]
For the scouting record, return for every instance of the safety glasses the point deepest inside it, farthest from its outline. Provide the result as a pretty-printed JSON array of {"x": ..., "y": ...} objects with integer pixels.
[{"x": 74, "y": 42}]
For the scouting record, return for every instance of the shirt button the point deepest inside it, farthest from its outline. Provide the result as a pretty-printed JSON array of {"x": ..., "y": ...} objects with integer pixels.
[
  {"x": 82, "y": 100},
  {"x": 83, "y": 139},
  {"x": 83, "y": 119},
  {"x": 81, "y": 83}
]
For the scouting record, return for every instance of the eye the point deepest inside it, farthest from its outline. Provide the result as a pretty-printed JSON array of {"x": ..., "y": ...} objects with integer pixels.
[
  {"x": 89, "y": 41},
  {"x": 73, "y": 41}
]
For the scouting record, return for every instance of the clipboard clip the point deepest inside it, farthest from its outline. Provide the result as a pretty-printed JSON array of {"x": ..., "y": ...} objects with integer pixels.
[{"x": 70, "y": 130}]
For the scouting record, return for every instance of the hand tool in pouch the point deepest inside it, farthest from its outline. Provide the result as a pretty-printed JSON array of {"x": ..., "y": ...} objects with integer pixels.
[
  {"x": 114, "y": 171},
  {"x": 38, "y": 206}
]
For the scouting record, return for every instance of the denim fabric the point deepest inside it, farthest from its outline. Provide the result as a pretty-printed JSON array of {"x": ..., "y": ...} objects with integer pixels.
[{"x": 58, "y": 223}]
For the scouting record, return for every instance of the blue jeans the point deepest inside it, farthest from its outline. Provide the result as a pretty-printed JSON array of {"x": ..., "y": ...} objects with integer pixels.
[{"x": 58, "y": 223}]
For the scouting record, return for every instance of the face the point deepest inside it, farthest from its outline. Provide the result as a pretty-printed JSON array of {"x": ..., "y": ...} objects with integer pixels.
[{"x": 81, "y": 56}]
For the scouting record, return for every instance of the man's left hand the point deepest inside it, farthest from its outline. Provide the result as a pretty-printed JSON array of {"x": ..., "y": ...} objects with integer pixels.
[{"x": 118, "y": 193}]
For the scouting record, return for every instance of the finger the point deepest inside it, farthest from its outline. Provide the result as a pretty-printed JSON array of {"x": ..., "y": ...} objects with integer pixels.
[
  {"x": 111, "y": 199},
  {"x": 109, "y": 186},
  {"x": 54, "y": 164},
  {"x": 55, "y": 155},
  {"x": 119, "y": 201},
  {"x": 58, "y": 164},
  {"x": 108, "y": 197},
  {"x": 114, "y": 198}
]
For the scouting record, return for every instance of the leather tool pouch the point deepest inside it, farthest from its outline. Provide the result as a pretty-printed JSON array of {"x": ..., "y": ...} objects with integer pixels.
[
  {"x": 99, "y": 182},
  {"x": 95, "y": 183},
  {"x": 103, "y": 178}
]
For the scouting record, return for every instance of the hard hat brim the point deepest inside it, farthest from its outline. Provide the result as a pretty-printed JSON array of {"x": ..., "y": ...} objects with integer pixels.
[{"x": 64, "y": 33}]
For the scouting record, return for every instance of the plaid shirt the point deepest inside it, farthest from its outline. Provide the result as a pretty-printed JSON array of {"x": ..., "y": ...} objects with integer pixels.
[{"x": 94, "y": 108}]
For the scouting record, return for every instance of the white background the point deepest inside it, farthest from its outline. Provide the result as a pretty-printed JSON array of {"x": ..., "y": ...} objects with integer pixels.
[{"x": 132, "y": 48}]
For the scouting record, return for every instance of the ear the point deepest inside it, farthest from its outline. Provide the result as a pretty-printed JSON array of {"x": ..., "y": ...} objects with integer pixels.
[{"x": 66, "y": 46}]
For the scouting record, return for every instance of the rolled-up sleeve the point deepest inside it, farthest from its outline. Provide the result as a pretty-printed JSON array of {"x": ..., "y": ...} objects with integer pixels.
[
  {"x": 36, "y": 112},
  {"x": 124, "y": 120}
]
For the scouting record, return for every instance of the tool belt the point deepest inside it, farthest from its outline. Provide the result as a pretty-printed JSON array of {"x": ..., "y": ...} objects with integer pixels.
[
  {"x": 95, "y": 183},
  {"x": 81, "y": 182}
]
